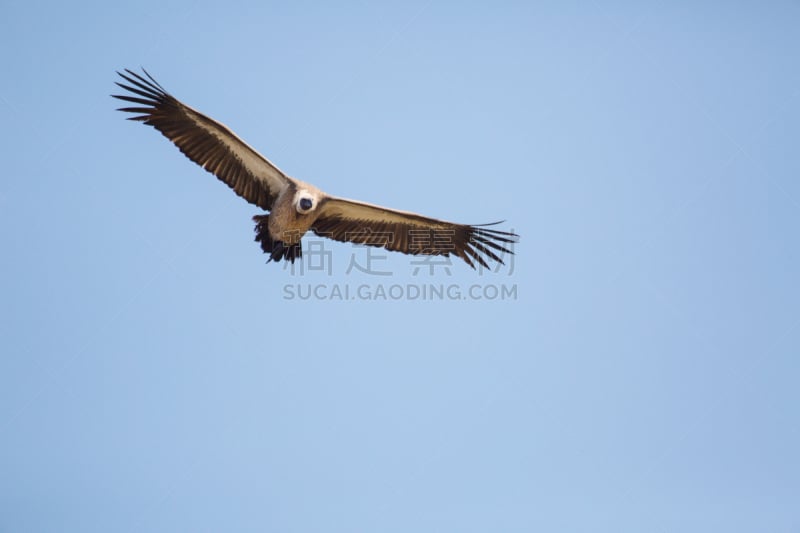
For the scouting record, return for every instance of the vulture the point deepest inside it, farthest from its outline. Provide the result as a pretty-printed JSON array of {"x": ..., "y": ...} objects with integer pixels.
[{"x": 295, "y": 207}]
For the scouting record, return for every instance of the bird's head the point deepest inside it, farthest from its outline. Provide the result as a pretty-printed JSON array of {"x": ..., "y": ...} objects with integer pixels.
[{"x": 305, "y": 201}]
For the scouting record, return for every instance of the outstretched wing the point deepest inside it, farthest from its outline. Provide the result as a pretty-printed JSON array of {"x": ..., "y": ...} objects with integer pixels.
[
  {"x": 204, "y": 140},
  {"x": 362, "y": 223}
]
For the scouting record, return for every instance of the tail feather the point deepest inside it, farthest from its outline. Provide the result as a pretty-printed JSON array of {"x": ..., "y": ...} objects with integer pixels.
[{"x": 276, "y": 249}]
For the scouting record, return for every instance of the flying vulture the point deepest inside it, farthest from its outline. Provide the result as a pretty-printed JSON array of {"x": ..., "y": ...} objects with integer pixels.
[{"x": 296, "y": 207}]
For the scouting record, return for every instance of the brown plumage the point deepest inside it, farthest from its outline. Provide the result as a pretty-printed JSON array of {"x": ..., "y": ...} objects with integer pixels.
[{"x": 296, "y": 207}]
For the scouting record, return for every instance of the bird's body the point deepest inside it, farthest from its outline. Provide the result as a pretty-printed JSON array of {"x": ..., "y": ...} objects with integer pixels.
[
  {"x": 296, "y": 207},
  {"x": 286, "y": 224}
]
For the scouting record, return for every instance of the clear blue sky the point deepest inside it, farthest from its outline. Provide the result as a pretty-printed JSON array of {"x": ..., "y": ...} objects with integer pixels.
[{"x": 155, "y": 377}]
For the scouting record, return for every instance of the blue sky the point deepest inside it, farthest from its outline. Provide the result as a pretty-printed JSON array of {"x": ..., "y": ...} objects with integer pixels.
[{"x": 155, "y": 377}]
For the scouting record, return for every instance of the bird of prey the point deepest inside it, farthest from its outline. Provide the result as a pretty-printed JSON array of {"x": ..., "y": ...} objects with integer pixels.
[{"x": 296, "y": 207}]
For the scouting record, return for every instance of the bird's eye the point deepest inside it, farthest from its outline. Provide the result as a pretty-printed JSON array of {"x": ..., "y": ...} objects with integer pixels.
[{"x": 305, "y": 204}]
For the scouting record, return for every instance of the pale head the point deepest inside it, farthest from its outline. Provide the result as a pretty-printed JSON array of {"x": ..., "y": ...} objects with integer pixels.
[{"x": 305, "y": 201}]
